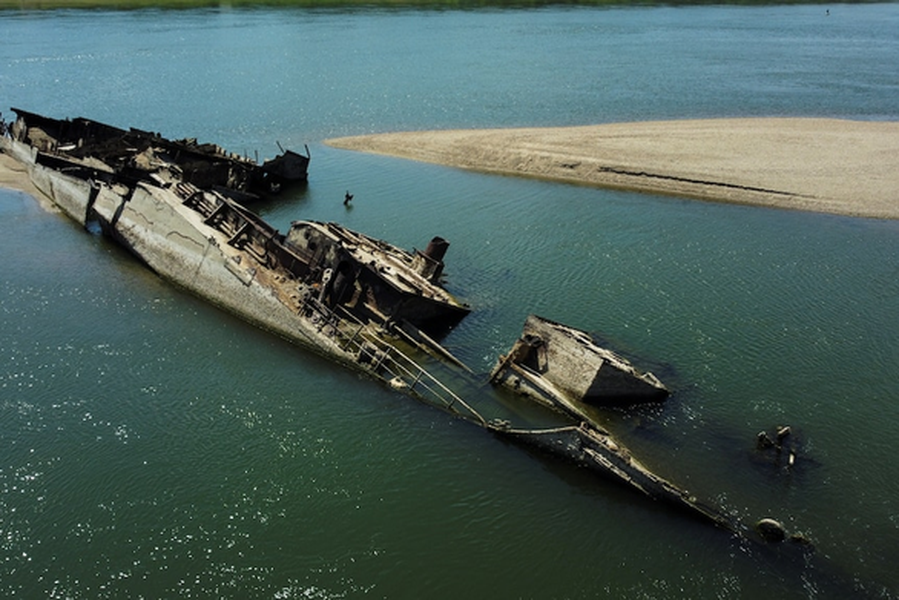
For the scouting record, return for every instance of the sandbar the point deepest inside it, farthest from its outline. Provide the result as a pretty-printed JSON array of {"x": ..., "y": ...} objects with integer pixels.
[{"x": 815, "y": 164}]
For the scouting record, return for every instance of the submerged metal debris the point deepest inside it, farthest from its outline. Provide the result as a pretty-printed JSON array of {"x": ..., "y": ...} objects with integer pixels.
[{"x": 563, "y": 367}]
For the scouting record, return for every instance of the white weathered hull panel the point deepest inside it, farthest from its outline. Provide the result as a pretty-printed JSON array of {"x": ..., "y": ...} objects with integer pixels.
[{"x": 172, "y": 240}]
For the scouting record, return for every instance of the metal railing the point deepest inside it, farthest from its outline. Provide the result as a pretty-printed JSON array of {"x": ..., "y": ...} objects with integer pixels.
[{"x": 387, "y": 362}]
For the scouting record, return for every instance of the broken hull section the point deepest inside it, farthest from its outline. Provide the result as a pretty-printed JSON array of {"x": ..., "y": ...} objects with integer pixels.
[
  {"x": 564, "y": 368},
  {"x": 593, "y": 449}
]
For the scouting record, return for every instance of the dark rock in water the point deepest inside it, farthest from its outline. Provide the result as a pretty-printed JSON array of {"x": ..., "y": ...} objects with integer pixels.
[{"x": 771, "y": 530}]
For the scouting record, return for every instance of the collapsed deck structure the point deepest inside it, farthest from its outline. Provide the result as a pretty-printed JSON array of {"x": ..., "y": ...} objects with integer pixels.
[
  {"x": 361, "y": 302},
  {"x": 114, "y": 153}
]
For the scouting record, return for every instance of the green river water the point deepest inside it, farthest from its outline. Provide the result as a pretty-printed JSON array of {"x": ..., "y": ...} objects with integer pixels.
[{"x": 152, "y": 446}]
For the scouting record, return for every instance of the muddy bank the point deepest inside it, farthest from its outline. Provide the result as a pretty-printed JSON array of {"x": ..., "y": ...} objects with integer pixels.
[{"x": 825, "y": 165}]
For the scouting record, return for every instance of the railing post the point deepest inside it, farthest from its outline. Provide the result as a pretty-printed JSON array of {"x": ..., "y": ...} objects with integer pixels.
[
  {"x": 352, "y": 339},
  {"x": 417, "y": 379}
]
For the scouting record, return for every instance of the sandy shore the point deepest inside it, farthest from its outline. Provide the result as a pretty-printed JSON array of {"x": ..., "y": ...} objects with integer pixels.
[{"x": 824, "y": 165}]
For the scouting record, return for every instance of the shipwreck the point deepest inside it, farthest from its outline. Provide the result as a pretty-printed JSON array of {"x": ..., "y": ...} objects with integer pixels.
[
  {"x": 360, "y": 301},
  {"x": 109, "y": 153}
]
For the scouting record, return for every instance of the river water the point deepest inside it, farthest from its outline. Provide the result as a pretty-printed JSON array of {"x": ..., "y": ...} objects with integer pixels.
[{"x": 152, "y": 446}]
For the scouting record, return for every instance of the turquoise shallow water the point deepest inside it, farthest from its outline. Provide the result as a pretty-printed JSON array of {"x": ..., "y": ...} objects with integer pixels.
[{"x": 153, "y": 446}]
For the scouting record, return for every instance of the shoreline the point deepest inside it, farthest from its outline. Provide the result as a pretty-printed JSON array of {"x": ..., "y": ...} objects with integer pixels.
[{"x": 833, "y": 166}]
